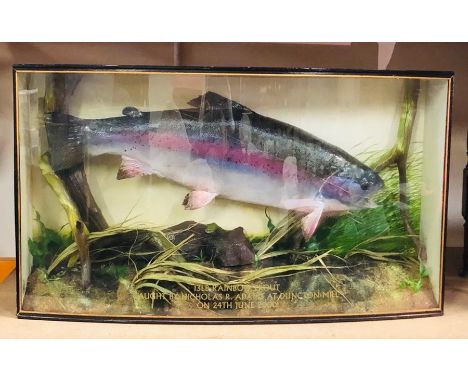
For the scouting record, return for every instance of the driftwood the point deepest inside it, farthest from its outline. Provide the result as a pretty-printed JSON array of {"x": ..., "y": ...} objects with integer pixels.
[
  {"x": 74, "y": 184},
  {"x": 59, "y": 89}
]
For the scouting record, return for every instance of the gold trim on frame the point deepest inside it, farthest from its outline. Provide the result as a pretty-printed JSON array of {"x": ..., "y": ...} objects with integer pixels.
[{"x": 225, "y": 74}]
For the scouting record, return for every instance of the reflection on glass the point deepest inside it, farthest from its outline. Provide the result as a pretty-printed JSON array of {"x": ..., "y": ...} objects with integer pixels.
[{"x": 228, "y": 196}]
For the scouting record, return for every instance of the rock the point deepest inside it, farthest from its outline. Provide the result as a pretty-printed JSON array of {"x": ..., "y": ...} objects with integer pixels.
[
  {"x": 224, "y": 248},
  {"x": 229, "y": 248},
  {"x": 208, "y": 243},
  {"x": 184, "y": 230}
]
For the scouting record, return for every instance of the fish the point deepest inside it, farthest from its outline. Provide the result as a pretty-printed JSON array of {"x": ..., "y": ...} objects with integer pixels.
[{"x": 219, "y": 148}]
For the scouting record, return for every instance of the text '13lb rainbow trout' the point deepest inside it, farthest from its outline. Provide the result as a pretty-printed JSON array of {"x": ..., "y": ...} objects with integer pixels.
[{"x": 220, "y": 148}]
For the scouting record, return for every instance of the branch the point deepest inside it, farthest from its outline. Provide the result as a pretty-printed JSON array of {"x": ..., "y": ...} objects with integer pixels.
[
  {"x": 398, "y": 154},
  {"x": 70, "y": 185}
]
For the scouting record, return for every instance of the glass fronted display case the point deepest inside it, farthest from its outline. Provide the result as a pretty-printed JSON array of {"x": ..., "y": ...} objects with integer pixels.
[{"x": 230, "y": 195}]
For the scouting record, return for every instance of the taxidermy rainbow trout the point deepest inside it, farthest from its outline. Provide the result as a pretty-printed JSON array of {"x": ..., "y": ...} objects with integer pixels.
[{"x": 220, "y": 148}]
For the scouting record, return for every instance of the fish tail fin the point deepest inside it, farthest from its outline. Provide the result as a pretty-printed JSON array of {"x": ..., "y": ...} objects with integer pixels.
[{"x": 65, "y": 136}]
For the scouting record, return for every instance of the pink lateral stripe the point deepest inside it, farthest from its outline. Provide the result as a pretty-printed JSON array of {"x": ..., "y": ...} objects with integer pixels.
[{"x": 220, "y": 152}]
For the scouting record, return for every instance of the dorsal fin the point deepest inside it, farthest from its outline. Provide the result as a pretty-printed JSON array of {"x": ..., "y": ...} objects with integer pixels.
[
  {"x": 212, "y": 101},
  {"x": 131, "y": 111}
]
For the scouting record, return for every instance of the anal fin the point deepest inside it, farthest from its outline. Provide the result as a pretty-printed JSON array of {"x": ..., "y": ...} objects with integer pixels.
[
  {"x": 131, "y": 167},
  {"x": 197, "y": 199}
]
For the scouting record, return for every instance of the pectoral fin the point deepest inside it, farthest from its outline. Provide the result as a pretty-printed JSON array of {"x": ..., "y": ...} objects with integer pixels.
[
  {"x": 197, "y": 199},
  {"x": 311, "y": 221},
  {"x": 130, "y": 168}
]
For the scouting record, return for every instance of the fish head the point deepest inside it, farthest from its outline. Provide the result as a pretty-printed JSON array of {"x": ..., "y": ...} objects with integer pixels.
[{"x": 353, "y": 186}]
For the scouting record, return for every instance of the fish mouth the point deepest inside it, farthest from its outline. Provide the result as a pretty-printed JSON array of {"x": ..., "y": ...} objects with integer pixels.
[{"x": 367, "y": 201}]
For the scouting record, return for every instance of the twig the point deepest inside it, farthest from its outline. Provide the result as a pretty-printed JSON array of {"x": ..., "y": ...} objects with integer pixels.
[
  {"x": 81, "y": 238},
  {"x": 398, "y": 154}
]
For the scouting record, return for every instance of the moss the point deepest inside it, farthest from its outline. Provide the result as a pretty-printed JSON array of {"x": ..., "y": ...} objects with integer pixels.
[{"x": 47, "y": 244}]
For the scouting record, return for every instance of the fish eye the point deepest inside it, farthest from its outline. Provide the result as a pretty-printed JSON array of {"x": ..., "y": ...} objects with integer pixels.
[{"x": 364, "y": 186}]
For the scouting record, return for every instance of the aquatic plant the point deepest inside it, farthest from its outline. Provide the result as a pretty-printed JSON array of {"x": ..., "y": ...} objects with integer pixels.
[
  {"x": 44, "y": 246},
  {"x": 168, "y": 268},
  {"x": 416, "y": 284}
]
